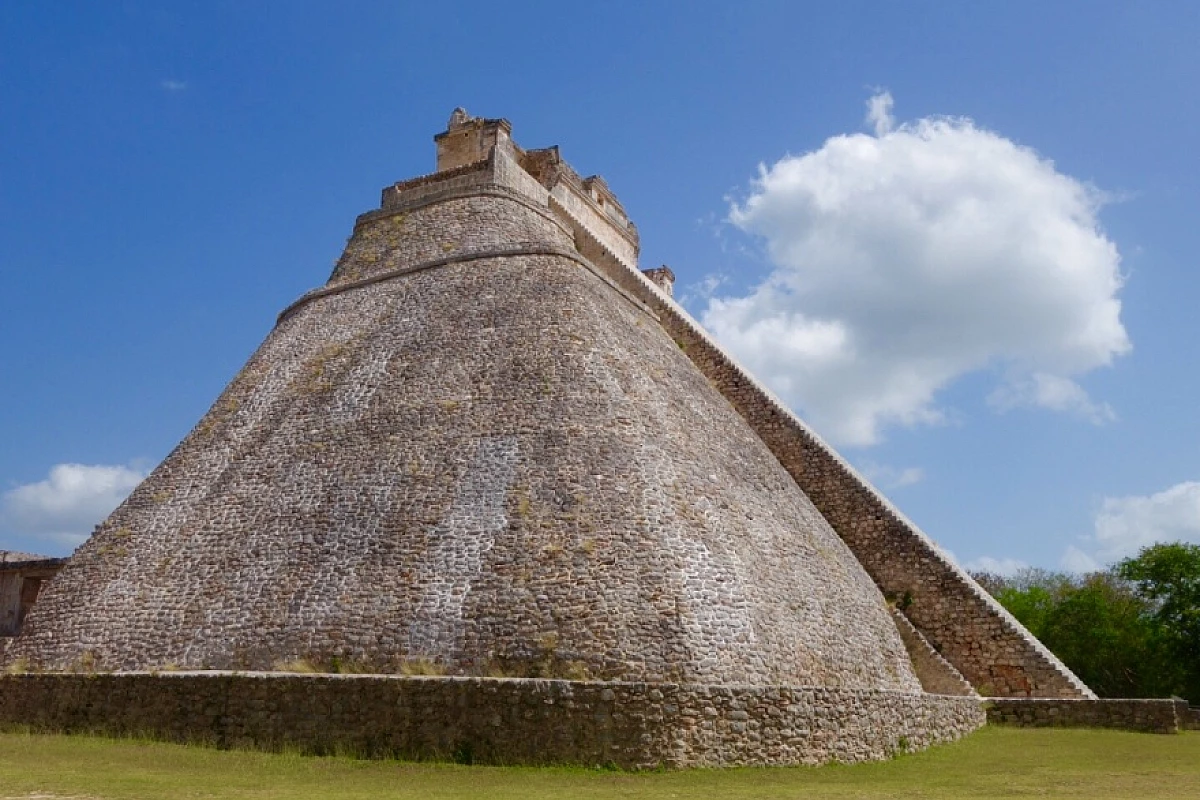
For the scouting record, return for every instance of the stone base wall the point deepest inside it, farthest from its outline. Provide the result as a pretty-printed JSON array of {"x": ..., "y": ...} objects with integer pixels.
[
  {"x": 493, "y": 720},
  {"x": 1190, "y": 718},
  {"x": 1149, "y": 716}
]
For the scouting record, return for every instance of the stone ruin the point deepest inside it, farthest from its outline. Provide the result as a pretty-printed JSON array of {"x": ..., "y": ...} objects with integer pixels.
[
  {"x": 491, "y": 449},
  {"x": 21, "y": 579}
]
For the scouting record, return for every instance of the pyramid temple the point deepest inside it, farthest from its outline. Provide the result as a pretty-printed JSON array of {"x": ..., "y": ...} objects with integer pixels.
[{"x": 493, "y": 451}]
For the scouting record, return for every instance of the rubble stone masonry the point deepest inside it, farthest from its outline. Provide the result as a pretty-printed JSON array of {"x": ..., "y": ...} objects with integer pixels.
[
  {"x": 958, "y": 617},
  {"x": 500, "y": 464},
  {"x": 490, "y": 448},
  {"x": 495, "y": 721},
  {"x": 1147, "y": 716}
]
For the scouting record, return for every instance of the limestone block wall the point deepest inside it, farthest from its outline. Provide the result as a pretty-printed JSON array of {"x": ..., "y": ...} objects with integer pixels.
[
  {"x": 20, "y": 584},
  {"x": 583, "y": 211},
  {"x": 468, "y": 139},
  {"x": 10, "y": 602},
  {"x": 497, "y": 721},
  {"x": 442, "y": 225},
  {"x": 412, "y": 191},
  {"x": 1150, "y": 716},
  {"x": 936, "y": 674},
  {"x": 499, "y": 465},
  {"x": 958, "y": 617},
  {"x": 507, "y": 172},
  {"x": 1188, "y": 716},
  {"x": 667, "y": 542}
]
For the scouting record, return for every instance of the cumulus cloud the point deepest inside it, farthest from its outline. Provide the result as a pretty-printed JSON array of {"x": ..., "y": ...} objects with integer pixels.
[
  {"x": 172, "y": 86},
  {"x": 702, "y": 290},
  {"x": 906, "y": 258},
  {"x": 996, "y": 566},
  {"x": 879, "y": 113},
  {"x": 1053, "y": 392},
  {"x": 69, "y": 502},
  {"x": 1124, "y": 525},
  {"x": 1075, "y": 560}
]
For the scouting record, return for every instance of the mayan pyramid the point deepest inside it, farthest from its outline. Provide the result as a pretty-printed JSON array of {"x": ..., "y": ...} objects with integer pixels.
[{"x": 490, "y": 445}]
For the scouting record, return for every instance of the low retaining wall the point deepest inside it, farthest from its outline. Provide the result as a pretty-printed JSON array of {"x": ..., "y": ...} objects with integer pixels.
[
  {"x": 1150, "y": 716},
  {"x": 493, "y": 720},
  {"x": 1191, "y": 719}
]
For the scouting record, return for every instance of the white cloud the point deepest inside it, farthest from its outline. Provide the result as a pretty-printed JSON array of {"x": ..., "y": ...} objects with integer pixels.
[
  {"x": 879, "y": 113},
  {"x": 702, "y": 290},
  {"x": 173, "y": 86},
  {"x": 906, "y": 259},
  {"x": 72, "y": 500},
  {"x": 1075, "y": 560},
  {"x": 890, "y": 477},
  {"x": 996, "y": 566},
  {"x": 1124, "y": 525},
  {"x": 1053, "y": 392}
]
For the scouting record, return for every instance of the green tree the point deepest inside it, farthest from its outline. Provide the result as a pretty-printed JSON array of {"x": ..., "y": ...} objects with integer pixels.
[
  {"x": 1103, "y": 630},
  {"x": 1168, "y": 577},
  {"x": 1031, "y": 596},
  {"x": 1099, "y": 624}
]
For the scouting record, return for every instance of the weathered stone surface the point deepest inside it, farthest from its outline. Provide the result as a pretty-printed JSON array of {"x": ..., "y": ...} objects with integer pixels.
[
  {"x": 490, "y": 446},
  {"x": 502, "y": 465},
  {"x": 21, "y": 579},
  {"x": 1150, "y": 716},
  {"x": 937, "y": 676},
  {"x": 1191, "y": 718},
  {"x": 973, "y": 632},
  {"x": 499, "y": 721}
]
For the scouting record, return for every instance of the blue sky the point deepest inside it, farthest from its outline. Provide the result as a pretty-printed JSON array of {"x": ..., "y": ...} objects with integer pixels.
[{"x": 984, "y": 292}]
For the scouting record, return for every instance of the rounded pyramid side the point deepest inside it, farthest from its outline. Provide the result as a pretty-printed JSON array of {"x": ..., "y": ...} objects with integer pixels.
[{"x": 501, "y": 465}]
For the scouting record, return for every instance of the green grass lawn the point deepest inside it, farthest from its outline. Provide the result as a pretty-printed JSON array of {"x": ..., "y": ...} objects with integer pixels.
[{"x": 995, "y": 762}]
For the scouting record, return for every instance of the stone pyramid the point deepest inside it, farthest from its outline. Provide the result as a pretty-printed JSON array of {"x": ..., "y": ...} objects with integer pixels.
[{"x": 490, "y": 446}]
